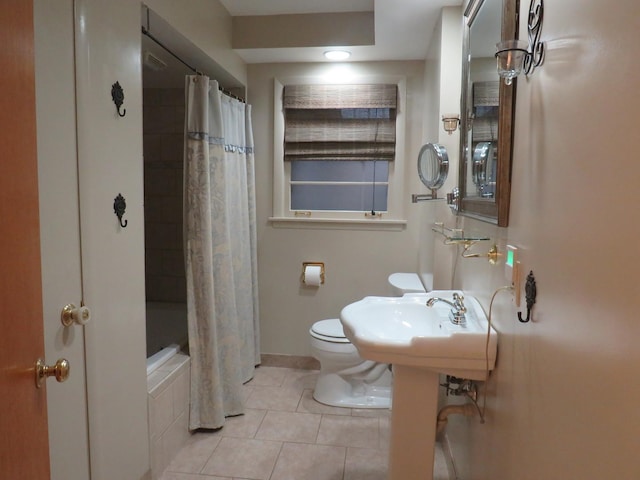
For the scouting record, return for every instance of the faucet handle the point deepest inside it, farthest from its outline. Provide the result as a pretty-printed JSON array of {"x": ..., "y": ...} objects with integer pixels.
[{"x": 458, "y": 300}]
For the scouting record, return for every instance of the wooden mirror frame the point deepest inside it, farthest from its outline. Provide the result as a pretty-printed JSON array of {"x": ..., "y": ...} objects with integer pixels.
[{"x": 495, "y": 210}]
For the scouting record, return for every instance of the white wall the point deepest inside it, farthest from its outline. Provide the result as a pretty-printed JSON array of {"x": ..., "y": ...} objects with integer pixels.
[
  {"x": 207, "y": 24},
  {"x": 562, "y": 402},
  {"x": 358, "y": 262},
  {"x": 443, "y": 70}
]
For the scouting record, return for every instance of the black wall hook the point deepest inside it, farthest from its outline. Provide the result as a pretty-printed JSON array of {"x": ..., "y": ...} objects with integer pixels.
[
  {"x": 530, "y": 294},
  {"x": 117, "y": 95},
  {"x": 119, "y": 206}
]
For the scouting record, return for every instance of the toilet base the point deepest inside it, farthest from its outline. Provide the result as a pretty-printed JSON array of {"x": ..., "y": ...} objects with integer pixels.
[{"x": 334, "y": 390}]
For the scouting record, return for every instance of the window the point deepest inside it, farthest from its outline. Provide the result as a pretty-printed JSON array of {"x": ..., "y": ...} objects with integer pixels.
[{"x": 337, "y": 151}]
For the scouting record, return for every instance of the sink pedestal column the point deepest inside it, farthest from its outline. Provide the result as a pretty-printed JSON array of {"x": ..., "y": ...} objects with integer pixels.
[{"x": 413, "y": 423}]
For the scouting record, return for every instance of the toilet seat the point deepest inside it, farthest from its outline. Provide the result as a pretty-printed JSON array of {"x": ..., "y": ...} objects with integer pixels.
[{"x": 329, "y": 331}]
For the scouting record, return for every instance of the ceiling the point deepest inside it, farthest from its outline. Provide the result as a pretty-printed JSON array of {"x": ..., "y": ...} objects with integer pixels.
[{"x": 403, "y": 28}]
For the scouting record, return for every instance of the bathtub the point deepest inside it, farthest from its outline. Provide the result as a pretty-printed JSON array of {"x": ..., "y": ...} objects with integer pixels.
[
  {"x": 156, "y": 360},
  {"x": 166, "y": 325},
  {"x": 168, "y": 393}
]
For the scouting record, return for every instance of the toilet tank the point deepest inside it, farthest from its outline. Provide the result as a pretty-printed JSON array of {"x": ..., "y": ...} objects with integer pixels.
[{"x": 402, "y": 283}]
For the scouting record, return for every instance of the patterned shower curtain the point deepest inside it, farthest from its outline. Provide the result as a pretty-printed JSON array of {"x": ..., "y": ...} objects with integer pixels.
[{"x": 220, "y": 251}]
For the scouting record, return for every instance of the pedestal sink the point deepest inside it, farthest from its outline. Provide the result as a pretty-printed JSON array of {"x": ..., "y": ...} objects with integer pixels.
[{"x": 421, "y": 343}]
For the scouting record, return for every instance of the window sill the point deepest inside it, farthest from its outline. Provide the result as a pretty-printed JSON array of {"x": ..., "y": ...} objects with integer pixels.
[{"x": 339, "y": 224}]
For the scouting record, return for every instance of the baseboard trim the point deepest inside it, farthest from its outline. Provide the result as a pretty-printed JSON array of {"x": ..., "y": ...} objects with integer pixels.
[{"x": 289, "y": 361}]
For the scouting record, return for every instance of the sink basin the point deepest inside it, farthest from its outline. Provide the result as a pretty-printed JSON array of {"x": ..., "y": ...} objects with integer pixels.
[
  {"x": 403, "y": 330},
  {"x": 421, "y": 343}
]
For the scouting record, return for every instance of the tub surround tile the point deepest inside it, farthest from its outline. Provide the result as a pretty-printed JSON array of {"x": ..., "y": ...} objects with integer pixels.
[
  {"x": 168, "y": 401},
  {"x": 175, "y": 437},
  {"x": 163, "y": 410},
  {"x": 181, "y": 395},
  {"x": 163, "y": 378}
]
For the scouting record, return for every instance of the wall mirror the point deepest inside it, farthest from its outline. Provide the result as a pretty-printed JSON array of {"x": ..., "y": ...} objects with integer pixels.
[{"x": 487, "y": 105}]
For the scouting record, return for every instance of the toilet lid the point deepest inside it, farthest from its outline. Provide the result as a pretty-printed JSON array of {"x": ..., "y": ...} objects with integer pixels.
[
  {"x": 330, "y": 330},
  {"x": 407, "y": 282}
]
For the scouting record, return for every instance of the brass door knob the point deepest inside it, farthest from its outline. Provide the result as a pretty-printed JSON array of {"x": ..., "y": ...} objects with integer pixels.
[
  {"x": 60, "y": 370},
  {"x": 72, "y": 314}
]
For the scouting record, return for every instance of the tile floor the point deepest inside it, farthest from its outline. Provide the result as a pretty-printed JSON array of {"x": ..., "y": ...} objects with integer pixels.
[{"x": 286, "y": 435}]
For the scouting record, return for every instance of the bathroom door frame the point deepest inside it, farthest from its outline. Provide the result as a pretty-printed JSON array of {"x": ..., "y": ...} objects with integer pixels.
[{"x": 60, "y": 234}]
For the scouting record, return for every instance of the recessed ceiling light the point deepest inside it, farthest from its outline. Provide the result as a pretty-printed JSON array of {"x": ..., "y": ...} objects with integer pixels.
[{"x": 337, "y": 54}]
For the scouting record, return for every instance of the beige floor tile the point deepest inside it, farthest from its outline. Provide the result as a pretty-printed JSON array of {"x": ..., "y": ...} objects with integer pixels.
[
  {"x": 189, "y": 476},
  {"x": 301, "y": 379},
  {"x": 268, "y": 376},
  {"x": 371, "y": 412},
  {"x": 193, "y": 456},
  {"x": 385, "y": 434},
  {"x": 286, "y": 435},
  {"x": 289, "y": 427},
  {"x": 365, "y": 464},
  {"x": 309, "y": 405},
  {"x": 274, "y": 398},
  {"x": 246, "y": 392},
  {"x": 309, "y": 462},
  {"x": 243, "y": 458},
  {"x": 349, "y": 431},
  {"x": 244, "y": 426}
]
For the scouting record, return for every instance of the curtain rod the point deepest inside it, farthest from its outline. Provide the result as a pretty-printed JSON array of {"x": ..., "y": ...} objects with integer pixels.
[{"x": 193, "y": 69}]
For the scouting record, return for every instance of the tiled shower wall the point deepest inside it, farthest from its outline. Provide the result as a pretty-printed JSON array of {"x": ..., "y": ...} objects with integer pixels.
[{"x": 163, "y": 126}]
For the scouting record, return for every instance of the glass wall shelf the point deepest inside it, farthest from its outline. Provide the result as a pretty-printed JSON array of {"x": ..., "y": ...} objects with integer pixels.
[{"x": 457, "y": 235}]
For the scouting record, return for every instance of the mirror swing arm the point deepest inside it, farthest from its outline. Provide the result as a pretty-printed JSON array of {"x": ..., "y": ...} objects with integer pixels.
[{"x": 433, "y": 167}]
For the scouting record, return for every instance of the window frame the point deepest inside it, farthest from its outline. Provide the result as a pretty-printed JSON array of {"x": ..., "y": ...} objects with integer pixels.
[{"x": 394, "y": 218}]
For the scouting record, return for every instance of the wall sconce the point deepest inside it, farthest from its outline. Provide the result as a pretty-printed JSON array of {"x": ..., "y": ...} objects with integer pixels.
[
  {"x": 514, "y": 56},
  {"x": 450, "y": 122}
]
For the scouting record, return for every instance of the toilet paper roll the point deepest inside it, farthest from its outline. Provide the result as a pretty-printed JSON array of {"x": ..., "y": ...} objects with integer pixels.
[{"x": 313, "y": 275}]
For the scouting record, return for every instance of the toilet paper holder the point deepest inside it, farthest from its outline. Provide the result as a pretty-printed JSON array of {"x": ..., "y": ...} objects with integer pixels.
[{"x": 312, "y": 264}]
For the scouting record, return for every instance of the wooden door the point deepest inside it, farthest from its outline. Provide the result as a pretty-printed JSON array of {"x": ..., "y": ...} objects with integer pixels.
[{"x": 24, "y": 446}]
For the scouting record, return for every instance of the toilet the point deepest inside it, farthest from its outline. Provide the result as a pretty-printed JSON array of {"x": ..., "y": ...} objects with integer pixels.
[
  {"x": 346, "y": 379},
  {"x": 402, "y": 283}
]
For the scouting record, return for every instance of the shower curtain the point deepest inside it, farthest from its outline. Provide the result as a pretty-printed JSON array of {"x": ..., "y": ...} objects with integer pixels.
[{"x": 220, "y": 251}]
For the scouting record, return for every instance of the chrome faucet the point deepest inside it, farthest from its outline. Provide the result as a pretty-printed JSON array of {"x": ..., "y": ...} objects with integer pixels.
[{"x": 458, "y": 310}]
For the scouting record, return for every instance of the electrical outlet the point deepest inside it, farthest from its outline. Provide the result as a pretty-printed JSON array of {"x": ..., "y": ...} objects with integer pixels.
[{"x": 512, "y": 271}]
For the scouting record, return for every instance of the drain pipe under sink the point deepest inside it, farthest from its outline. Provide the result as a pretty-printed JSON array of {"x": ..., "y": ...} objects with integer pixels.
[{"x": 467, "y": 409}]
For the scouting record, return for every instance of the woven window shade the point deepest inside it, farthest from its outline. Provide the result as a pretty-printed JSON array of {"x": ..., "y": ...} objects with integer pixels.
[
  {"x": 486, "y": 94},
  {"x": 340, "y": 122}
]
